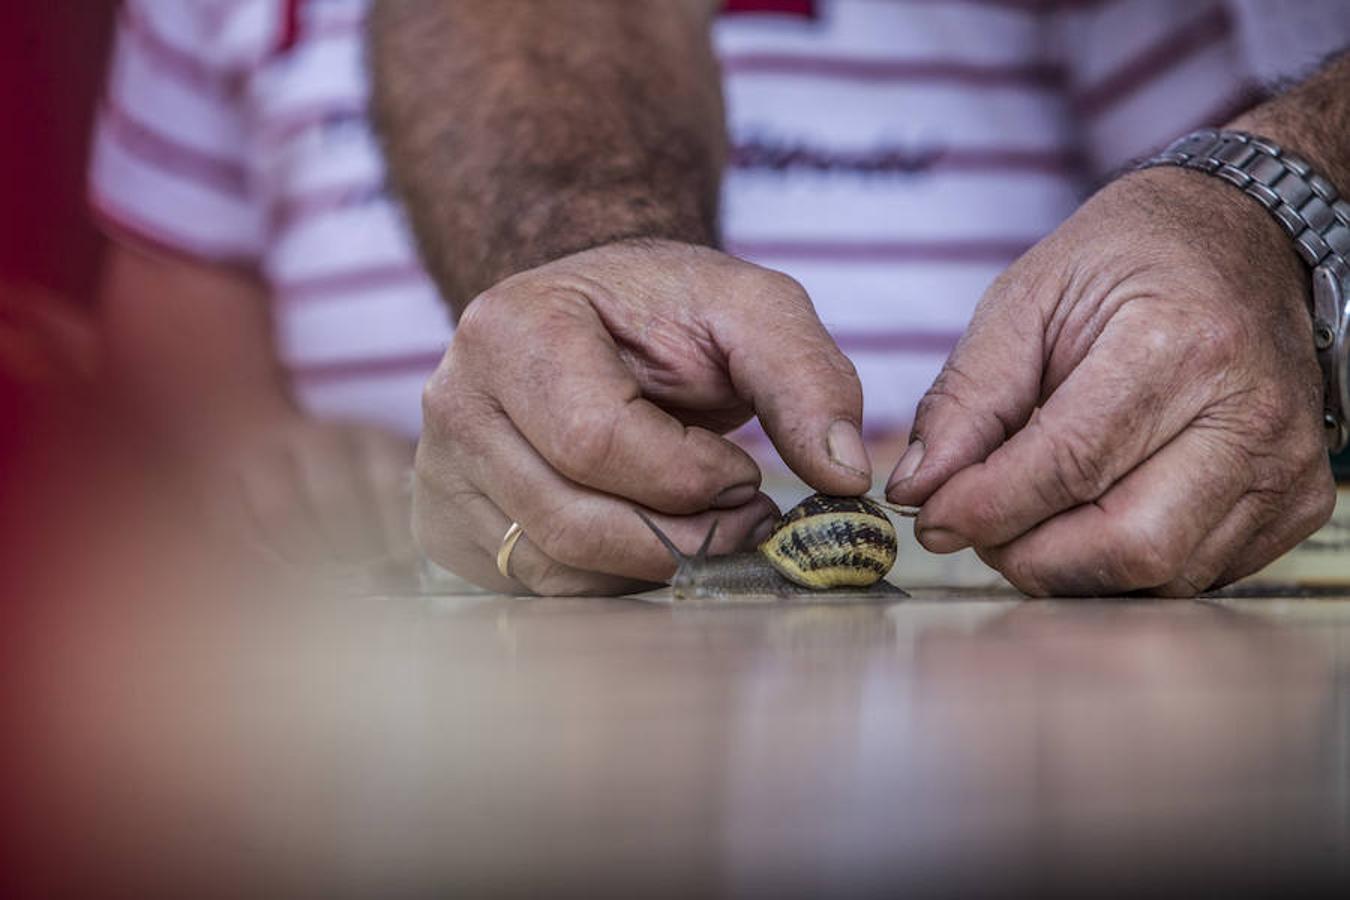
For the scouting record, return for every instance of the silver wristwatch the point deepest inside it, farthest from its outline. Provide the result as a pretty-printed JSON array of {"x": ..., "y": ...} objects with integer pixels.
[{"x": 1311, "y": 211}]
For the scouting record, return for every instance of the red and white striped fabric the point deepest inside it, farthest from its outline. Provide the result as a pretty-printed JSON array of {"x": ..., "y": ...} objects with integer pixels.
[{"x": 893, "y": 155}]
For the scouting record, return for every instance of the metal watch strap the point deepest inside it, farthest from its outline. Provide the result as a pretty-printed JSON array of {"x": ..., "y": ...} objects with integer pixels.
[{"x": 1309, "y": 208}]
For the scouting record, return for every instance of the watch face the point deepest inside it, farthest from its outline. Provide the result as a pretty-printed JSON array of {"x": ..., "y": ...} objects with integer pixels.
[{"x": 1331, "y": 321}]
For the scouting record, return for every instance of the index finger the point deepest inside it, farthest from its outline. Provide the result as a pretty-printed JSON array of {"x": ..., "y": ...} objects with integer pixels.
[
  {"x": 1126, "y": 400},
  {"x": 805, "y": 391},
  {"x": 583, "y": 410}
]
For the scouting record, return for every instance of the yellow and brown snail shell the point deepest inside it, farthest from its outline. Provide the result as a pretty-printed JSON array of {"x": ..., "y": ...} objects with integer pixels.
[
  {"x": 829, "y": 542},
  {"x": 824, "y": 543}
]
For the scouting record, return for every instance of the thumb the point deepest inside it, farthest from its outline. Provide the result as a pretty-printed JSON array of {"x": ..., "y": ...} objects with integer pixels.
[
  {"x": 985, "y": 393},
  {"x": 804, "y": 390}
]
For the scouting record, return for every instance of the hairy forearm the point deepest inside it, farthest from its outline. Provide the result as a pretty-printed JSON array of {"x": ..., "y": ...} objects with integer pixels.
[
  {"x": 1312, "y": 119},
  {"x": 519, "y": 131}
]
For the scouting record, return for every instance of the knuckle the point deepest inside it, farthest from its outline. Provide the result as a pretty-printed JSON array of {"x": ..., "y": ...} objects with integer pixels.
[
  {"x": 952, "y": 382},
  {"x": 1153, "y": 337},
  {"x": 952, "y": 388},
  {"x": 1317, "y": 509},
  {"x": 846, "y": 373},
  {"x": 944, "y": 391},
  {"x": 1212, "y": 341},
  {"x": 452, "y": 413},
  {"x": 1308, "y": 448},
  {"x": 1022, "y": 572},
  {"x": 827, "y": 380},
  {"x": 1183, "y": 328},
  {"x": 780, "y": 285},
  {"x": 440, "y": 401},
  {"x": 1267, "y": 424},
  {"x": 568, "y": 541},
  {"x": 477, "y": 320},
  {"x": 924, "y": 411},
  {"x": 687, "y": 489},
  {"x": 986, "y": 517},
  {"x": 584, "y": 443},
  {"x": 1077, "y": 467},
  {"x": 1142, "y": 557}
]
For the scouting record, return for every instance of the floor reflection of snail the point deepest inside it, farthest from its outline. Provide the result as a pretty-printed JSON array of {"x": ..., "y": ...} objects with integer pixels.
[{"x": 823, "y": 544}]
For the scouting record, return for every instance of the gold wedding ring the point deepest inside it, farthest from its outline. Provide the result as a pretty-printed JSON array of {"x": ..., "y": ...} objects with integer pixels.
[{"x": 508, "y": 544}]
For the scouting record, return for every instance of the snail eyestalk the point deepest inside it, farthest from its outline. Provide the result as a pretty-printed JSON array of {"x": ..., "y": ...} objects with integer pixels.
[
  {"x": 666, "y": 542},
  {"x": 707, "y": 542},
  {"x": 681, "y": 558}
]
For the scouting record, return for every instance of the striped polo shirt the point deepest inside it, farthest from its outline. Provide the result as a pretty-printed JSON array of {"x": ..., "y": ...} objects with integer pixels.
[{"x": 892, "y": 155}]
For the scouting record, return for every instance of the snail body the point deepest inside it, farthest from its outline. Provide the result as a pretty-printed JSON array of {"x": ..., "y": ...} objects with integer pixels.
[{"x": 823, "y": 544}]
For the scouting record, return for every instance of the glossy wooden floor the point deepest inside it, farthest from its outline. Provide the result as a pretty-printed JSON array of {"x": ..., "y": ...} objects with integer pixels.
[{"x": 946, "y": 745}]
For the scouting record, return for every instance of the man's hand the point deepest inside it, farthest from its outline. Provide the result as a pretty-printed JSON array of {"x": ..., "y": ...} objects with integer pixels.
[
  {"x": 1136, "y": 404},
  {"x": 541, "y": 149},
  {"x": 601, "y": 382},
  {"x": 315, "y": 493}
]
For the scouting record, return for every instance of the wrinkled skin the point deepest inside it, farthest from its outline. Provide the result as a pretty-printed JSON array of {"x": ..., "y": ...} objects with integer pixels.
[
  {"x": 1136, "y": 405},
  {"x": 603, "y": 381}
]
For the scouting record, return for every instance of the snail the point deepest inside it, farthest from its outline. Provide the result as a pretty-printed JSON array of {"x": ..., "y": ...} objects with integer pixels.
[{"x": 823, "y": 544}]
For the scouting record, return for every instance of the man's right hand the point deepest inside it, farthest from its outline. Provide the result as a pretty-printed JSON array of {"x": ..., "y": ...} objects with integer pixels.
[{"x": 602, "y": 382}]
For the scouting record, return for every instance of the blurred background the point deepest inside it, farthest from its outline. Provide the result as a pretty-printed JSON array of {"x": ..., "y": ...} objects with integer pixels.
[{"x": 52, "y": 62}]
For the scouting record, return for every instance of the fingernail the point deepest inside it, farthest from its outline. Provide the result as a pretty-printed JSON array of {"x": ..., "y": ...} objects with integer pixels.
[
  {"x": 732, "y": 497},
  {"x": 908, "y": 465},
  {"x": 845, "y": 445},
  {"x": 940, "y": 540},
  {"x": 761, "y": 531}
]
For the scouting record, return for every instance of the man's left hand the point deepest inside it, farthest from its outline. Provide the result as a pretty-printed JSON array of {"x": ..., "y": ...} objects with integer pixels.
[{"x": 1136, "y": 405}]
